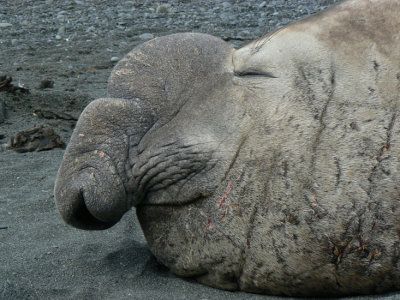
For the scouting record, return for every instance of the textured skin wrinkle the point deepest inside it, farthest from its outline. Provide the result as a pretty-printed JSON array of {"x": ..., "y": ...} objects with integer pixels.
[
  {"x": 139, "y": 148},
  {"x": 338, "y": 172},
  {"x": 193, "y": 174},
  {"x": 144, "y": 175},
  {"x": 170, "y": 176},
  {"x": 373, "y": 199},
  {"x": 319, "y": 131},
  {"x": 147, "y": 160},
  {"x": 261, "y": 42},
  {"x": 246, "y": 247},
  {"x": 165, "y": 168},
  {"x": 310, "y": 95},
  {"x": 127, "y": 162},
  {"x": 251, "y": 227},
  {"x": 167, "y": 172},
  {"x": 234, "y": 159},
  {"x": 321, "y": 120},
  {"x": 382, "y": 149}
]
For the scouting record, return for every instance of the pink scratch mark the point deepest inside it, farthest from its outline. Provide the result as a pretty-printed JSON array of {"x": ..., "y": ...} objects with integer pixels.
[
  {"x": 225, "y": 212},
  {"x": 209, "y": 224},
  {"x": 223, "y": 199}
]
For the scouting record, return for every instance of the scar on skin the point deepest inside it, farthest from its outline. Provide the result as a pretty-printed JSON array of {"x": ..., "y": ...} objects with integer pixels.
[
  {"x": 225, "y": 204},
  {"x": 209, "y": 224}
]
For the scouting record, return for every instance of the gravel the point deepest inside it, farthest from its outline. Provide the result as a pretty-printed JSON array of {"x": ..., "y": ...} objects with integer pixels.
[{"x": 72, "y": 41}]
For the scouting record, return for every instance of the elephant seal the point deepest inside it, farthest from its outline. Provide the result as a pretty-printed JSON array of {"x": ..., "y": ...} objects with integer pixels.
[{"x": 274, "y": 168}]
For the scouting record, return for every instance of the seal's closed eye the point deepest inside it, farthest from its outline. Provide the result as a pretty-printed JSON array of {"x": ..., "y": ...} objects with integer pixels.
[{"x": 254, "y": 73}]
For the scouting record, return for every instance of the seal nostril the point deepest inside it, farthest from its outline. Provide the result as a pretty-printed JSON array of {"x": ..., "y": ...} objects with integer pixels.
[{"x": 83, "y": 219}]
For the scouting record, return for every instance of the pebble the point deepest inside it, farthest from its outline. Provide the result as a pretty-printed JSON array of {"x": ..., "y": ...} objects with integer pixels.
[
  {"x": 4, "y": 25},
  {"x": 145, "y": 36},
  {"x": 226, "y": 5},
  {"x": 61, "y": 31},
  {"x": 91, "y": 29},
  {"x": 244, "y": 34},
  {"x": 114, "y": 59},
  {"x": 47, "y": 24},
  {"x": 161, "y": 9},
  {"x": 61, "y": 16},
  {"x": 46, "y": 84},
  {"x": 262, "y": 4}
]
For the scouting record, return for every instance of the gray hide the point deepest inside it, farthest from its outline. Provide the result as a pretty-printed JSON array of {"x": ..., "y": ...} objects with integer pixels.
[{"x": 270, "y": 169}]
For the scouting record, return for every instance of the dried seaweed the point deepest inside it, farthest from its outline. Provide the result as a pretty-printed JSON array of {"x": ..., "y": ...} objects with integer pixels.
[{"x": 7, "y": 86}]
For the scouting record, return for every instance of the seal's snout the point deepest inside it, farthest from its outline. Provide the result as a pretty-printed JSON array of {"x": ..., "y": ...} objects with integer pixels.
[
  {"x": 91, "y": 200},
  {"x": 90, "y": 191}
]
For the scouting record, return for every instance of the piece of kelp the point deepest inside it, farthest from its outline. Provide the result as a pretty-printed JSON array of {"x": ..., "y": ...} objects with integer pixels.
[{"x": 35, "y": 139}]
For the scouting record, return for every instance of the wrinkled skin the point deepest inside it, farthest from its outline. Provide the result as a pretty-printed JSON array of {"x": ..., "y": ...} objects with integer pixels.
[{"x": 270, "y": 169}]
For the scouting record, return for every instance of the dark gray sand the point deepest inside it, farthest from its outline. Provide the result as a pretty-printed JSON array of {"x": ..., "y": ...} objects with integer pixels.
[{"x": 75, "y": 44}]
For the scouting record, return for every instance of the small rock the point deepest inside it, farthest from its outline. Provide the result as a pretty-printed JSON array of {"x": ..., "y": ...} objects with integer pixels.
[
  {"x": 161, "y": 9},
  {"x": 4, "y": 25},
  {"x": 226, "y": 5},
  {"x": 91, "y": 29},
  {"x": 61, "y": 31},
  {"x": 114, "y": 59},
  {"x": 58, "y": 37},
  {"x": 225, "y": 17},
  {"x": 244, "y": 34},
  {"x": 46, "y": 84},
  {"x": 61, "y": 17},
  {"x": 146, "y": 36}
]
